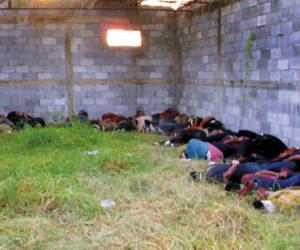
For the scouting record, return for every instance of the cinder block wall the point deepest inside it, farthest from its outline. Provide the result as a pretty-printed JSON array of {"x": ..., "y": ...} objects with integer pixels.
[
  {"x": 32, "y": 66},
  {"x": 59, "y": 62},
  {"x": 214, "y": 57},
  {"x": 54, "y": 62},
  {"x": 120, "y": 79}
]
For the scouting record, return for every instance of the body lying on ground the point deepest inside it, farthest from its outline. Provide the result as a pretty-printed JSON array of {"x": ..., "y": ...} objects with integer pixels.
[
  {"x": 19, "y": 120},
  {"x": 262, "y": 147},
  {"x": 252, "y": 175},
  {"x": 286, "y": 198}
]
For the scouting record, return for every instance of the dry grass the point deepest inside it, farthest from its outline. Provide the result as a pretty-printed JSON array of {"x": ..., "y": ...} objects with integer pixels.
[{"x": 157, "y": 207}]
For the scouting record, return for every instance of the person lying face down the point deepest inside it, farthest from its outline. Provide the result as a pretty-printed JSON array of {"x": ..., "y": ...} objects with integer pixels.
[
  {"x": 111, "y": 121},
  {"x": 209, "y": 130},
  {"x": 233, "y": 173},
  {"x": 264, "y": 147},
  {"x": 168, "y": 127},
  {"x": 165, "y": 122},
  {"x": 19, "y": 120},
  {"x": 291, "y": 163},
  {"x": 213, "y": 147},
  {"x": 34, "y": 121},
  {"x": 260, "y": 147},
  {"x": 255, "y": 181}
]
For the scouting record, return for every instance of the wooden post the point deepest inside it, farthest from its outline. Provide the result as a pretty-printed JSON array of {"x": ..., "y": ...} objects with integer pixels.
[
  {"x": 69, "y": 68},
  {"x": 219, "y": 81}
]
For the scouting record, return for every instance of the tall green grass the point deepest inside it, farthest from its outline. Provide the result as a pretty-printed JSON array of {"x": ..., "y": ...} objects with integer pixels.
[
  {"x": 51, "y": 190},
  {"x": 41, "y": 166}
]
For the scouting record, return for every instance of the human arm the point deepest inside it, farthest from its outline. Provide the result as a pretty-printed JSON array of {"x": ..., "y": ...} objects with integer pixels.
[
  {"x": 206, "y": 119},
  {"x": 235, "y": 140},
  {"x": 293, "y": 158}
]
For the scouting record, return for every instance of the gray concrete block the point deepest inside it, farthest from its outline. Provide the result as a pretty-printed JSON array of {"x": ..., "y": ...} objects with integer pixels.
[
  {"x": 275, "y": 53},
  {"x": 30, "y": 76},
  {"x": 15, "y": 76},
  {"x": 287, "y": 28},
  {"x": 3, "y": 33},
  {"x": 102, "y": 101},
  {"x": 22, "y": 69},
  {"x": 4, "y": 49},
  {"x": 6, "y": 26},
  {"x": 297, "y": 50},
  {"x": 45, "y": 76},
  {"x": 32, "y": 102},
  {"x": 294, "y": 38},
  {"x": 88, "y": 101},
  {"x": 102, "y": 88},
  {"x": 56, "y": 55},
  {"x": 262, "y": 20},
  {"x": 49, "y": 41},
  {"x": 265, "y": 54},
  {"x": 8, "y": 69},
  {"x": 87, "y": 75},
  {"x": 4, "y": 76},
  {"x": 295, "y": 63},
  {"x": 283, "y": 64},
  {"x": 99, "y": 75},
  {"x": 294, "y": 13}
]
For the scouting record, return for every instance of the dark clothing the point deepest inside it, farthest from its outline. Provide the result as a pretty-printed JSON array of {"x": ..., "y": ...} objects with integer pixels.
[
  {"x": 217, "y": 171},
  {"x": 268, "y": 146},
  {"x": 276, "y": 184},
  {"x": 16, "y": 119},
  {"x": 227, "y": 149},
  {"x": 213, "y": 124},
  {"x": 297, "y": 152},
  {"x": 262, "y": 148},
  {"x": 183, "y": 136},
  {"x": 19, "y": 120},
  {"x": 171, "y": 127}
]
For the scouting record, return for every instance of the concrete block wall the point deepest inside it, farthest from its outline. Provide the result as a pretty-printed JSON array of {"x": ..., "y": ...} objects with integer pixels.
[
  {"x": 273, "y": 73},
  {"x": 197, "y": 38},
  {"x": 41, "y": 100},
  {"x": 123, "y": 78},
  {"x": 272, "y": 90},
  {"x": 123, "y": 98},
  {"x": 264, "y": 110},
  {"x": 94, "y": 59},
  {"x": 31, "y": 52},
  {"x": 44, "y": 50},
  {"x": 210, "y": 61}
]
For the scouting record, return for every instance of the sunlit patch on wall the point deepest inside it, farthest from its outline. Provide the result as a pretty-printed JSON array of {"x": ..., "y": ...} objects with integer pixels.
[
  {"x": 174, "y": 4},
  {"x": 123, "y": 38}
]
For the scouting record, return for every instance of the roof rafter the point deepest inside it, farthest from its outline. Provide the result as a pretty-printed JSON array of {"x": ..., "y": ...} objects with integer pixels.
[{"x": 92, "y": 4}]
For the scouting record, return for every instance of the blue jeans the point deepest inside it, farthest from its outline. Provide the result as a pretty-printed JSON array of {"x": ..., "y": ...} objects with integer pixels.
[
  {"x": 253, "y": 167},
  {"x": 217, "y": 171},
  {"x": 197, "y": 149},
  {"x": 277, "y": 184}
]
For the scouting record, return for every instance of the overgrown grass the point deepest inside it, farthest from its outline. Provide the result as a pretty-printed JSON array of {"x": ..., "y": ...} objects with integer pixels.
[{"x": 51, "y": 190}]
